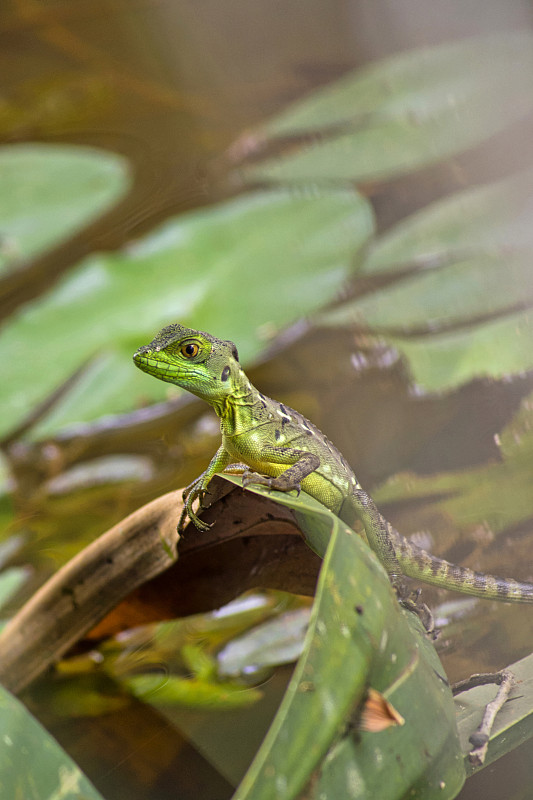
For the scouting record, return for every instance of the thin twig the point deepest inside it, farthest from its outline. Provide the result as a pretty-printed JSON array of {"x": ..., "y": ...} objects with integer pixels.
[{"x": 480, "y": 738}]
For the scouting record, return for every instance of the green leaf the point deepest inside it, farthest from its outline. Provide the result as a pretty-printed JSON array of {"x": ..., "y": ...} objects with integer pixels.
[
  {"x": 402, "y": 113},
  {"x": 451, "y": 295},
  {"x": 496, "y": 496},
  {"x": 185, "y": 646},
  {"x": 358, "y": 637},
  {"x": 277, "y": 641},
  {"x": 459, "y": 250},
  {"x": 169, "y": 690},
  {"x": 415, "y": 760},
  {"x": 11, "y": 580},
  {"x": 457, "y": 314},
  {"x": 7, "y": 512},
  {"x": 79, "y": 694},
  {"x": 495, "y": 349},
  {"x": 465, "y": 224},
  {"x": 242, "y": 269},
  {"x": 32, "y": 765},
  {"x": 50, "y": 191},
  {"x": 149, "y": 646}
]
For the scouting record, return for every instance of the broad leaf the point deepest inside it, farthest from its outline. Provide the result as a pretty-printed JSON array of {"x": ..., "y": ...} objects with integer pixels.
[
  {"x": 457, "y": 314},
  {"x": 476, "y": 221},
  {"x": 401, "y": 113},
  {"x": 496, "y": 496},
  {"x": 203, "y": 269},
  {"x": 277, "y": 641},
  {"x": 50, "y": 191},
  {"x": 168, "y": 690},
  {"x": 358, "y": 637},
  {"x": 496, "y": 349},
  {"x": 32, "y": 764}
]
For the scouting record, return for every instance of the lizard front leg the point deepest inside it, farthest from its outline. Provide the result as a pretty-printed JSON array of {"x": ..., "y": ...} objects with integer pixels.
[
  {"x": 300, "y": 464},
  {"x": 198, "y": 489}
]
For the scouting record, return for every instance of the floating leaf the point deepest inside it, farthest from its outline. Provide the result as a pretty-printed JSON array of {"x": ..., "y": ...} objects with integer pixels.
[
  {"x": 50, "y": 191},
  {"x": 277, "y": 641},
  {"x": 169, "y": 690},
  {"x": 6, "y": 501},
  {"x": 497, "y": 349},
  {"x": 497, "y": 495},
  {"x": 465, "y": 224},
  {"x": 451, "y": 295},
  {"x": 242, "y": 269},
  {"x": 457, "y": 314},
  {"x": 402, "y": 113}
]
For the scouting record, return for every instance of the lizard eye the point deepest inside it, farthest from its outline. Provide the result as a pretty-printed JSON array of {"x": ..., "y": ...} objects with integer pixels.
[{"x": 189, "y": 350}]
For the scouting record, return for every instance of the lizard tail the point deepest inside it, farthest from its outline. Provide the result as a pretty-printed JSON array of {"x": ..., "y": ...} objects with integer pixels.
[
  {"x": 417, "y": 563},
  {"x": 400, "y": 556}
]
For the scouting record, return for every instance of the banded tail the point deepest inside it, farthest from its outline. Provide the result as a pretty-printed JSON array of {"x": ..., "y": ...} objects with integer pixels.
[
  {"x": 417, "y": 563},
  {"x": 400, "y": 556}
]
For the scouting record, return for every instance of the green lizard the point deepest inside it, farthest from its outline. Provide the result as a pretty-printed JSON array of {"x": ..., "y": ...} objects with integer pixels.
[{"x": 279, "y": 448}]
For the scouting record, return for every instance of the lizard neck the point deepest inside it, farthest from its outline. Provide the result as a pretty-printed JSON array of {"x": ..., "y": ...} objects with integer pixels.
[{"x": 239, "y": 410}]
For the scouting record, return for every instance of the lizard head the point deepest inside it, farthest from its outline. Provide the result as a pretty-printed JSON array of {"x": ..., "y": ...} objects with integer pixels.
[{"x": 194, "y": 360}]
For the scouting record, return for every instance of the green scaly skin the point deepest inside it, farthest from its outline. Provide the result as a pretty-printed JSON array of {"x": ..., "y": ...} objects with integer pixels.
[{"x": 279, "y": 448}]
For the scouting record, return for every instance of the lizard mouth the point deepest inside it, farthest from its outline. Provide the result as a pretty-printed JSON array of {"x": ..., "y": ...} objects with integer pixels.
[{"x": 154, "y": 365}]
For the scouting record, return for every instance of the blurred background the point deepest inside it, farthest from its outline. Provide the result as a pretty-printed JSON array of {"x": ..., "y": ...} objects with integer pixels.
[{"x": 345, "y": 190}]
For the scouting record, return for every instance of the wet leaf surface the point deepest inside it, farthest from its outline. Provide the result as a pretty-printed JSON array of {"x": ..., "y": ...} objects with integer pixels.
[
  {"x": 399, "y": 114},
  {"x": 358, "y": 637},
  {"x": 51, "y": 191},
  {"x": 32, "y": 764},
  {"x": 192, "y": 268}
]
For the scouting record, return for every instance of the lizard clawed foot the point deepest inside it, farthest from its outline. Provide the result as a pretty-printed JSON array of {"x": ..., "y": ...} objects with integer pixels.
[
  {"x": 190, "y": 494},
  {"x": 278, "y": 483},
  {"x": 197, "y": 522},
  {"x": 410, "y": 599},
  {"x": 249, "y": 477}
]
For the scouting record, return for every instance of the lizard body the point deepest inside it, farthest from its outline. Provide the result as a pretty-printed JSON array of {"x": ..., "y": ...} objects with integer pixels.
[{"x": 278, "y": 447}]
